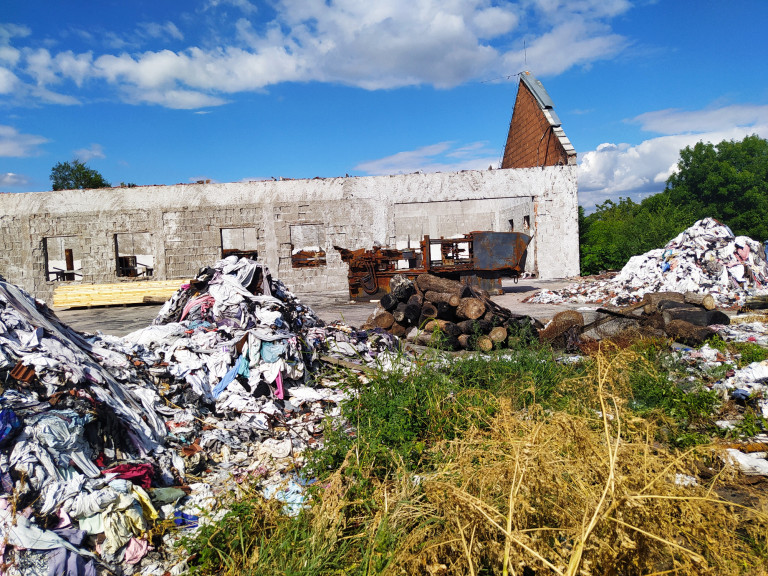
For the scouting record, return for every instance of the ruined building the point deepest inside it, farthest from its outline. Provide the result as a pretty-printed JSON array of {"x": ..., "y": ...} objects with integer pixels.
[{"x": 151, "y": 233}]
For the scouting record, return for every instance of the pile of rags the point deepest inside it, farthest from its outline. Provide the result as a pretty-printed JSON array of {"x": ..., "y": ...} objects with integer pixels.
[
  {"x": 705, "y": 258},
  {"x": 100, "y": 436}
]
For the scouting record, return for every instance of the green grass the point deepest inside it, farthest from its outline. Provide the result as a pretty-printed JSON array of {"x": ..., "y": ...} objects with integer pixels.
[
  {"x": 399, "y": 415},
  {"x": 663, "y": 389}
]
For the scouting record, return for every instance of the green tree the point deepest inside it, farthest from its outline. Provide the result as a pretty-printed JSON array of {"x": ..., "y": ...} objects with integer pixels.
[
  {"x": 616, "y": 231},
  {"x": 76, "y": 175},
  {"x": 727, "y": 181}
]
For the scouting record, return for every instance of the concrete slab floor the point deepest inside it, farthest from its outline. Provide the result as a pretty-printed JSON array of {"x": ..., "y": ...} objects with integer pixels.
[{"x": 121, "y": 320}]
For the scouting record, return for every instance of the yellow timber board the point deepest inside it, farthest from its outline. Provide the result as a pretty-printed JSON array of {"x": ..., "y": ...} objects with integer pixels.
[{"x": 77, "y": 295}]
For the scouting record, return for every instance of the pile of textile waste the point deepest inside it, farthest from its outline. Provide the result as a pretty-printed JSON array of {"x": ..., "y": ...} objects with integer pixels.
[
  {"x": 705, "y": 258},
  {"x": 110, "y": 447}
]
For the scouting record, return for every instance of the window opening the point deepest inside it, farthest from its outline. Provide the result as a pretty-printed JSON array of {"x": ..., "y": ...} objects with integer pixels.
[
  {"x": 133, "y": 255},
  {"x": 511, "y": 225},
  {"x": 63, "y": 260},
  {"x": 307, "y": 246},
  {"x": 526, "y": 223},
  {"x": 240, "y": 242}
]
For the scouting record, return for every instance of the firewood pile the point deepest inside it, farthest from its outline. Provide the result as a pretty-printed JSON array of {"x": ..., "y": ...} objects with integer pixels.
[
  {"x": 689, "y": 318},
  {"x": 444, "y": 313}
]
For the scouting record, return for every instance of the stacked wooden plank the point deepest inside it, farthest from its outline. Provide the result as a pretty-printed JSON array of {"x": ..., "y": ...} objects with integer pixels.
[
  {"x": 83, "y": 295},
  {"x": 441, "y": 312}
]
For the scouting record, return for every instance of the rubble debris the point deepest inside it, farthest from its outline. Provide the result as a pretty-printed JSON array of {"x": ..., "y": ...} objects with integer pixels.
[
  {"x": 748, "y": 383},
  {"x": 448, "y": 314},
  {"x": 705, "y": 258},
  {"x": 104, "y": 440}
]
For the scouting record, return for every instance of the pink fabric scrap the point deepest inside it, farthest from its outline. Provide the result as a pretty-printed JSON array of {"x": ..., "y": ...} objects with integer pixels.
[
  {"x": 135, "y": 550},
  {"x": 279, "y": 380},
  {"x": 205, "y": 302},
  {"x": 64, "y": 520}
]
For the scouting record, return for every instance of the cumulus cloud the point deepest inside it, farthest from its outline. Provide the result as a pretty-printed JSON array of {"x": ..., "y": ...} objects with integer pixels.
[
  {"x": 372, "y": 45},
  {"x": 623, "y": 170},
  {"x": 13, "y": 180},
  {"x": 93, "y": 151},
  {"x": 13, "y": 144},
  {"x": 440, "y": 157}
]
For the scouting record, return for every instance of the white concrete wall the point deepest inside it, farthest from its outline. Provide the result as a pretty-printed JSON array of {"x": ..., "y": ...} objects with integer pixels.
[{"x": 185, "y": 221}]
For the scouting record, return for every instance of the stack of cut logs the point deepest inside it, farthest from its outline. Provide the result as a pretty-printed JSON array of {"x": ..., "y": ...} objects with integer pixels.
[
  {"x": 685, "y": 318},
  {"x": 436, "y": 311}
]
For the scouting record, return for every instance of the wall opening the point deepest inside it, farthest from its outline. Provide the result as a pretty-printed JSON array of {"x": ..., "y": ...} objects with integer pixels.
[
  {"x": 307, "y": 246},
  {"x": 63, "y": 258},
  {"x": 241, "y": 242},
  {"x": 526, "y": 223},
  {"x": 511, "y": 225},
  {"x": 134, "y": 255}
]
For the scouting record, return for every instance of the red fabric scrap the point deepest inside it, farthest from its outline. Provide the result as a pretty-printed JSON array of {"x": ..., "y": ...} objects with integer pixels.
[{"x": 140, "y": 474}]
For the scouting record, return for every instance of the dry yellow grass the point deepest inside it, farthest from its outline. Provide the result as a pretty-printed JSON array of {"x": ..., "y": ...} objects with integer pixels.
[{"x": 558, "y": 494}]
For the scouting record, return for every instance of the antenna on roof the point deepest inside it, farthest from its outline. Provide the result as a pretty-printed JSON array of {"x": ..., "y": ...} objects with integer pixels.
[{"x": 502, "y": 77}]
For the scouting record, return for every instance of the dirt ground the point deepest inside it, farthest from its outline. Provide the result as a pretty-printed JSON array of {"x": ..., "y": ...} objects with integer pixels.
[{"x": 121, "y": 320}]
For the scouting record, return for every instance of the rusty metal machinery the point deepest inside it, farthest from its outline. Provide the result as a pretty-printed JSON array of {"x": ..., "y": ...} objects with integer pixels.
[{"x": 480, "y": 259}]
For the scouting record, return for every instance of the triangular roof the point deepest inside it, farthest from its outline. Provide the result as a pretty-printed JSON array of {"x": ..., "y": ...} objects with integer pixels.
[{"x": 536, "y": 136}]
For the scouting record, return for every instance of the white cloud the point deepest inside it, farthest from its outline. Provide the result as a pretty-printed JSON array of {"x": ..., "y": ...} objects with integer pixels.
[
  {"x": 548, "y": 57},
  {"x": 440, "y": 157},
  {"x": 8, "y": 31},
  {"x": 49, "y": 96},
  {"x": 243, "y": 5},
  {"x": 675, "y": 121},
  {"x": 493, "y": 21},
  {"x": 13, "y": 144},
  {"x": 372, "y": 45},
  {"x": 176, "y": 99},
  {"x": 622, "y": 170},
  {"x": 9, "y": 55},
  {"x": 160, "y": 31},
  {"x": 94, "y": 151},
  {"x": 13, "y": 180},
  {"x": 8, "y": 81}
]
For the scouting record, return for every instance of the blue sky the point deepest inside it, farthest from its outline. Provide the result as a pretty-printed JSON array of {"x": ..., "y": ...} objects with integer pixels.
[{"x": 230, "y": 90}]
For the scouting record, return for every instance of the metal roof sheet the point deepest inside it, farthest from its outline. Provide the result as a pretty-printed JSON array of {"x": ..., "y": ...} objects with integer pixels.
[{"x": 537, "y": 89}]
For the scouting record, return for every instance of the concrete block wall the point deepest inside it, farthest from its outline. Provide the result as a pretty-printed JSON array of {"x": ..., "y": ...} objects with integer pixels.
[{"x": 185, "y": 222}]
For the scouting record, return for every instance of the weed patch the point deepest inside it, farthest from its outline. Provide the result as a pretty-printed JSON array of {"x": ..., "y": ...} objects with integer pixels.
[{"x": 509, "y": 464}]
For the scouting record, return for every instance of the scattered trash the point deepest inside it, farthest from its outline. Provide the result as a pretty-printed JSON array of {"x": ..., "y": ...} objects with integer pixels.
[
  {"x": 749, "y": 464},
  {"x": 105, "y": 439}
]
